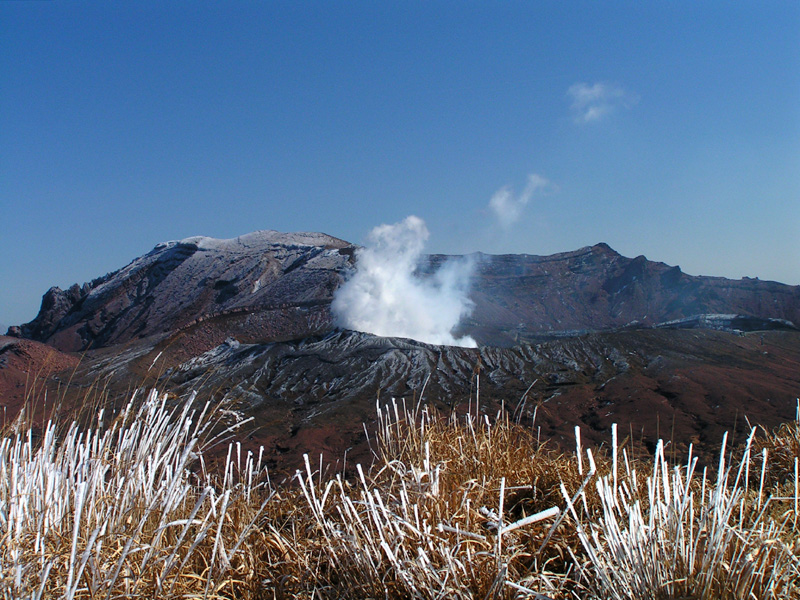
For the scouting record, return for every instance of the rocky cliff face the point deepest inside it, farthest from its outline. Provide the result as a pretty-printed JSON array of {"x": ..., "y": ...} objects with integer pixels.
[
  {"x": 521, "y": 297},
  {"x": 265, "y": 273},
  {"x": 269, "y": 286}
]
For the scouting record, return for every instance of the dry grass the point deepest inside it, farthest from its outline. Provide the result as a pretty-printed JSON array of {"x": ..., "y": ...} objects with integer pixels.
[
  {"x": 687, "y": 535},
  {"x": 453, "y": 507},
  {"x": 116, "y": 511}
]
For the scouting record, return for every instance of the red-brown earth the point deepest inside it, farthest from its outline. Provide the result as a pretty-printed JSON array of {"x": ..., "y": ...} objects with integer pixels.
[{"x": 28, "y": 369}]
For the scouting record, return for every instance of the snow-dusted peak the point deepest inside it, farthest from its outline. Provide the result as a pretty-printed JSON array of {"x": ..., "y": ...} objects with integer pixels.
[
  {"x": 183, "y": 281},
  {"x": 261, "y": 239}
]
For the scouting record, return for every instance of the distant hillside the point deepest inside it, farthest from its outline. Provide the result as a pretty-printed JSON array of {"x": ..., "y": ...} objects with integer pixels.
[
  {"x": 595, "y": 288},
  {"x": 282, "y": 281},
  {"x": 269, "y": 286}
]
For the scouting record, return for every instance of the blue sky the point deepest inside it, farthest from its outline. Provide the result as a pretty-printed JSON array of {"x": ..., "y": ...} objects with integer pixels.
[{"x": 669, "y": 129}]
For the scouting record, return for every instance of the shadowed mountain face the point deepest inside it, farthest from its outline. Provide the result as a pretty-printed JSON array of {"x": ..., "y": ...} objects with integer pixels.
[
  {"x": 270, "y": 286},
  {"x": 595, "y": 288}
]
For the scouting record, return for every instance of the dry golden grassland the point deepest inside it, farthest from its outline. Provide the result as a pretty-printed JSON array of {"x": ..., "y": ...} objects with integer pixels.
[{"x": 453, "y": 507}]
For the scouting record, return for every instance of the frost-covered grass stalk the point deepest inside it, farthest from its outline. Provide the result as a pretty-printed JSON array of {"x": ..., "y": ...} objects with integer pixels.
[
  {"x": 115, "y": 511},
  {"x": 435, "y": 518},
  {"x": 673, "y": 533}
]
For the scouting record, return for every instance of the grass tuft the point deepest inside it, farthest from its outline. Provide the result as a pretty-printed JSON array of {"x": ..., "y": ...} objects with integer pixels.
[{"x": 117, "y": 511}]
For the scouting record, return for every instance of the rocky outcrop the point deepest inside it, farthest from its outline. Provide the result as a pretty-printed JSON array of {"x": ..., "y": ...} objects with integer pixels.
[{"x": 56, "y": 304}]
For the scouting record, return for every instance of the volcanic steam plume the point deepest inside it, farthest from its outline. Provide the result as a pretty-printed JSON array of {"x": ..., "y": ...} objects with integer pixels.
[{"x": 387, "y": 296}]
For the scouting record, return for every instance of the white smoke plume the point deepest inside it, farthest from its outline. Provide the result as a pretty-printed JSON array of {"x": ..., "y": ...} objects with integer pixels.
[{"x": 386, "y": 296}]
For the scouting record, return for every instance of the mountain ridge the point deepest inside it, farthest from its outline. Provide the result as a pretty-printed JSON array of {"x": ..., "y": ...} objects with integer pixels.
[
  {"x": 283, "y": 284},
  {"x": 178, "y": 281}
]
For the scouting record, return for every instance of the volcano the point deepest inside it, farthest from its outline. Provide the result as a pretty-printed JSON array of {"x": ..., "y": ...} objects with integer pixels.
[{"x": 587, "y": 338}]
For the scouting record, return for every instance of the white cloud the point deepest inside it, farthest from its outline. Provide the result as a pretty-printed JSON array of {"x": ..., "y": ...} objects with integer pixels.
[
  {"x": 507, "y": 207},
  {"x": 591, "y": 103}
]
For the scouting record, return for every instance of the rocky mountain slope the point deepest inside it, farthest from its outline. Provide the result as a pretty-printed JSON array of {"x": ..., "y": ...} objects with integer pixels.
[
  {"x": 315, "y": 395},
  {"x": 269, "y": 275},
  {"x": 585, "y": 338},
  {"x": 269, "y": 286},
  {"x": 596, "y": 288}
]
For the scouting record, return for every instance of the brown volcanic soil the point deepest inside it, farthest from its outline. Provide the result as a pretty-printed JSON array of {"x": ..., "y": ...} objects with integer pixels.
[
  {"x": 27, "y": 369},
  {"x": 718, "y": 382}
]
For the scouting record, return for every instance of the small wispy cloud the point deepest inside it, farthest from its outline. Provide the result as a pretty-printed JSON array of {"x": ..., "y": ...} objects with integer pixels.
[
  {"x": 507, "y": 207},
  {"x": 591, "y": 103}
]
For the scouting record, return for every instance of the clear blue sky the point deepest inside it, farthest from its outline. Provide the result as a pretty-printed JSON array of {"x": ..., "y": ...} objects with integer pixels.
[{"x": 669, "y": 129}]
